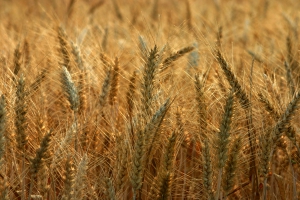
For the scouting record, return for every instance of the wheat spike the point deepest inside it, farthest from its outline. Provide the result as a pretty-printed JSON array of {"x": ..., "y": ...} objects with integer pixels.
[
  {"x": 70, "y": 89},
  {"x": 21, "y": 112},
  {"x": 114, "y": 82}
]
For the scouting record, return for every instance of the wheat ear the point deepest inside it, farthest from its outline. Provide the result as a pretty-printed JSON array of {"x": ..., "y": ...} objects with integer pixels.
[
  {"x": 110, "y": 191},
  {"x": 37, "y": 162},
  {"x": 117, "y": 10},
  {"x": 107, "y": 62},
  {"x": 21, "y": 112},
  {"x": 80, "y": 178},
  {"x": 151, "y": 129},
  {"x": 138, "y": 165},
  {"x": 69, "y": 178},
  {"x": 114, "y": 82},
  {"x": 286, "y": 117},
  {"x": 3, "y": 118},
  {"x": 95, "y": 6},
  {"x": 37, "y": 83},
  {"x": 201, "y": 106},
  {"x": 161, "y": 185},
  {"x": 105, "y": 89},
  {"x": 169, "y": 155},
  {"x": 231, "y": 166},
  {"x": 122, "y": 167},
  {"x": 154, "y": 13},
  {"x": 173, "y": 57},
  {"x": 70, "y": 89},
  {"x": 149, "y": 73},
  {"x": 131, "y": 93},
  {"x": 239, "y": 91},
  {"x": 290, "y": 131},
  {"x": 40, "y": 154},
  {"x": 207, "y": 170},
  {"x": 63, "y": 48},
  {"x": 289, "y": 78},
  {"x": 27, "y": 59},
  {"x": 246, "y": 105},
  {"x": 265, "y": 156},
  {"x": 223, "y": 139},
  {"x": 17, "y": 60},
  {"x": 163, "y": 180},
  {"x": 78, "y": 58},
  {"x": 82, "y": 89}
]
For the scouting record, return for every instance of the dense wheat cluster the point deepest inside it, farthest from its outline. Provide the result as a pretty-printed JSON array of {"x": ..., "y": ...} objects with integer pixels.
[{"x": 138, "y": 99}]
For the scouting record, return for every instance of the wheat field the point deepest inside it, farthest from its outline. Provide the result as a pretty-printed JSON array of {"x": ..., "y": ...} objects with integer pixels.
[{"x": 161, "y": 99}]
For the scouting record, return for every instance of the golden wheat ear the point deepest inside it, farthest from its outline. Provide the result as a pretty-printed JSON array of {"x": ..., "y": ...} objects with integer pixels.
[
  {"x": 109, "y": 188},
  {"x": 231, "y": 166},
  {"x": 233, "y": 81},
  {"x": 70, "y": 89},
  {"x": 223, "y": 139},
  {"x": 81, "y": 178},
  {"x": 207, "y": 169},
  {"x": 114, "y": 83},
  {"x": 3, "y": 119},
  {"x": 17, "y": 60},
  {"x": 41, "y": 153},
  {"x": 286, "y": 117},
  {"x": 69, "y": 178},
  {"x": 21, "y": 108},
  {"x": 175, "y": 56},
  {"x": 63, "y": 48},
  {"x": 201, "y": 106},
  {"x": 37, "y": 164}
]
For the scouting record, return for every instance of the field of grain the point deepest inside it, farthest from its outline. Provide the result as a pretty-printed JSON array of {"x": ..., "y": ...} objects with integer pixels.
[{"x": 138, "y": 99}]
